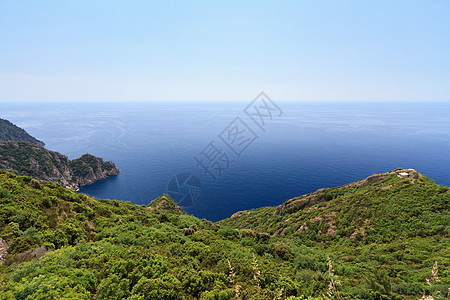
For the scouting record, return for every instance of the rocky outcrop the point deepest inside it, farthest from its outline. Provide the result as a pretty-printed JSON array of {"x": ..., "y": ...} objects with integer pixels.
[
  {"x": 3, "y": 250},
  {"x": 403, "y": 173},
  {"x": 10, "y": 132},
  {"x": 301, "y": 202},
  {"x": 27, "y": 159},
  {"x": 407, "y": 173},
  {"x": 88, "y": 169},
  {"x": 23, "y": 154}
]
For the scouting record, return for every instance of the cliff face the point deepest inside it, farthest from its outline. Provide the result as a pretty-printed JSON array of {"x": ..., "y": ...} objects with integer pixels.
[
  {"x": 10, "y": 132},
  {"x": 88, "y": 169},
  {"x": 39, "y": 163}
]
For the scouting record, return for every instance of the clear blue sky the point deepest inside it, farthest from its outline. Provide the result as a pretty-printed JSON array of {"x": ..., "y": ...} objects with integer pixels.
[{"x": 225, "y": 50}]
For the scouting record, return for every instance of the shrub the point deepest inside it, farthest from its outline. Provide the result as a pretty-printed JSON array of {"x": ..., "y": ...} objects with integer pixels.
[
  {"x": 283, "y": 251},
  {"x": 113, "y": 287},
  {"x": 165, "y": 287},
  {"x": 4, "y": 193},
  {"x": 22, "y": 244},
  {"x": 228, "y": 232},
  {"x": 81, "y": 217}
]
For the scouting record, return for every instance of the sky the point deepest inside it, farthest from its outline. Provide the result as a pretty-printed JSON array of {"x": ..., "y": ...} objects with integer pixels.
[{"x": 84, "y": 50}]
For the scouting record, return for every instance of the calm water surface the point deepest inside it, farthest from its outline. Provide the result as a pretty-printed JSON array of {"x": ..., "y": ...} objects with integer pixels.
[{"x": 310, "y": 146}]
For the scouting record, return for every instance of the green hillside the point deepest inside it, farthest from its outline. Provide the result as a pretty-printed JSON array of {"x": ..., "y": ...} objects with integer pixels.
[
  {"x": 10, "y": 132},
  {"x": 374, "y": 239}
]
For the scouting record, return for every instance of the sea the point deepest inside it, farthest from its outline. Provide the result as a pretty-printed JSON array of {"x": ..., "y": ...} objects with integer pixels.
[{"x": 219, "y": 158}]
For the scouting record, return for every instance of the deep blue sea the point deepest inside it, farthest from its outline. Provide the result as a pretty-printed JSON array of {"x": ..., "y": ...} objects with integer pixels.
[{"x": 309, "y": 146}]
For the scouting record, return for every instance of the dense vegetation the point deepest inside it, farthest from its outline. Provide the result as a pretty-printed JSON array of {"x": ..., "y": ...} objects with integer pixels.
[
  {"x": 378, "y": 240},
  {"x": 10, "y": 132}
]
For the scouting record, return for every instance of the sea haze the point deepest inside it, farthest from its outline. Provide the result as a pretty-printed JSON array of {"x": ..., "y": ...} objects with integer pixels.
[{"x": 310, "y": 146}]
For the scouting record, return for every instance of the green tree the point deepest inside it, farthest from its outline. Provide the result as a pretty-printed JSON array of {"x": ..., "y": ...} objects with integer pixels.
[{"x": 113, "y": 287}]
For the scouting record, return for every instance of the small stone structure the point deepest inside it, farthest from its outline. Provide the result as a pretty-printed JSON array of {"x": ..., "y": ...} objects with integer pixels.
[{"x": 407, "y": 173}]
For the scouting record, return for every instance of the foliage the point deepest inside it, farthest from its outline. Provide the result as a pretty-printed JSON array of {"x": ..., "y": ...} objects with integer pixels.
[
  {"x": 10, "y": 132},
  {"x": 384, "y": 240}
]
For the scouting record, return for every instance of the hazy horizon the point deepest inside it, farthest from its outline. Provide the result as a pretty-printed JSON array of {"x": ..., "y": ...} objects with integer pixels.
[{"x": 80, "y": 51}]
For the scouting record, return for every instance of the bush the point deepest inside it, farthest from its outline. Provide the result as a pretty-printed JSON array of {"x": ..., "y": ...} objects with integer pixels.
[
  {"x": 283, "y": 251},
  {"x": 81, "y": 217},
  {"x": 21, "y": 218},
  {"x": 228, "y": 232},
  {"x": 219, "y": 294},
  {"x": 22, "y": 244},
  {"x": 47, "y": 202},
  {"x": 165, "y": 287},
  {"x": 4, "y": 193},
  {"x": 33, "y": 233},
  {"x": 192, "y": 282},
  {"x": 379, "y": 281},
  {"x": 113, "y": 287},
  {"x": 59, "y": 239}
]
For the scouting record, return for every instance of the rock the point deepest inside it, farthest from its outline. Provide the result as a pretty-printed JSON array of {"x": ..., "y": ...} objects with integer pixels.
[
  {"x": 407, "y": 173},
  {"x": 88, "y": 169},
  {"x": 24, "y": 155},
  {"x": 24, "y": 158},
  {"x": 39, "y": 252},
  {"x": 301, "y": 202},
  {"x": 3, "y": 250}
]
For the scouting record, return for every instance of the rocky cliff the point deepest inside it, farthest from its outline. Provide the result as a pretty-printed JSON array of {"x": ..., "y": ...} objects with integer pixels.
[
  {"x": 27, "y": 159},
  {"x": 88, "y": 169}
]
